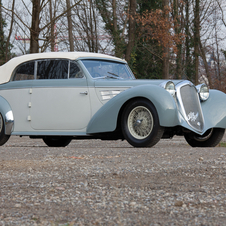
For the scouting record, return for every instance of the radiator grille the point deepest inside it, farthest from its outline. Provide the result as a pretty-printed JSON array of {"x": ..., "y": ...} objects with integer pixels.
[{"x": 191, "y": 105}]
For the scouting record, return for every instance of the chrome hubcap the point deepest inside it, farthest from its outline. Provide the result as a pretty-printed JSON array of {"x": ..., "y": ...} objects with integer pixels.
[{"x": 140, "y": 122}]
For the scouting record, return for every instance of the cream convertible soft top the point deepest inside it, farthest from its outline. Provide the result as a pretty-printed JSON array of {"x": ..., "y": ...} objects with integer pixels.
[{"x": 6, "y": 70}]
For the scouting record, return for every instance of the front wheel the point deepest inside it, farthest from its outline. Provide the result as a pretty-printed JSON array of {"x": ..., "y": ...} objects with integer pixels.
[
  {"x": 57, "y": 141},
  {"x": 211, "y": 138},
  {"x": 140, "y": 124},
  {"x": 3, "y": 137}
]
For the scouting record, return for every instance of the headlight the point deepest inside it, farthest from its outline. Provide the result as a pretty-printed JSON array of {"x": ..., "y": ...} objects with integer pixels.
[
  {"x": 169, "y": 87},
  {"x": 203, "y": 91}
]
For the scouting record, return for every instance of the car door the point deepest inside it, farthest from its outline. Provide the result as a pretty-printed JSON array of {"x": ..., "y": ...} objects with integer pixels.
[{"x": 60, "y": 98}]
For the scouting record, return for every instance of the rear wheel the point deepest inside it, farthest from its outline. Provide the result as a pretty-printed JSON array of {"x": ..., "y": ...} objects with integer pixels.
[
  {"x": 140, "y": 124},
  {"x": 211, "y": 138},
  {"x": 3, "y": 137},
  {"x": 57, "y": 141}
]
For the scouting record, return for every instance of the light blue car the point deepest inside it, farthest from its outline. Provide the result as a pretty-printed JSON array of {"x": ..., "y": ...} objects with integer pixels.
[{"x": 63, "y": 96}]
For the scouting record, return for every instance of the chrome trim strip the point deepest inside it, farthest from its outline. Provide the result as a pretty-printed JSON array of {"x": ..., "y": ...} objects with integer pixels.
[
  {"x": 112, "y": 87},
  {"x": 68, "y": 69},
  {"x": 72, "y": 86},
  {"x": 108, "y": 94},
  {"x": 36, "y": 69},
  {"x": 198, "y": 87},
  {"x": 9, "y": 122},
  {"x": 63, "y": 86},
  {"x": 50, "y": 133},
  {"x": 117, "y": 60},
  {"x": 43, "y": 86},
  {"x": 163, "y": 84}
]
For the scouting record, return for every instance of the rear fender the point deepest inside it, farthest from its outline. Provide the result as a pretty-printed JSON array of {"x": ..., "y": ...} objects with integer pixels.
[
  {"x": 105, "y": 119},
  {"x": 7, "y": 115}
]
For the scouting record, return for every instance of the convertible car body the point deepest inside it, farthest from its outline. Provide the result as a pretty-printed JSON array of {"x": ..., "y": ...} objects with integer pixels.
[{"x": 63, "y": 96}]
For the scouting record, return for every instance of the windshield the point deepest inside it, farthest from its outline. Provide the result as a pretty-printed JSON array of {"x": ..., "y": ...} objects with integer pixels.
[{"x": 108, "y": 69}]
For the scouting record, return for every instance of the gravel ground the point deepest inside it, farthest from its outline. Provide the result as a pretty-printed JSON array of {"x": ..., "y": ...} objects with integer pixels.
[{"x": 95, "y": 182}]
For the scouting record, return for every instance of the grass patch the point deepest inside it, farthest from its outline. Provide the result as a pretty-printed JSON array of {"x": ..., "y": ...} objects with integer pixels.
[{"x": 222, "y": 144}]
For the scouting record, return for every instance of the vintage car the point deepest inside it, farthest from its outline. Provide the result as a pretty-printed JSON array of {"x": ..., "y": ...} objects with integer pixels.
[{"x": 77, "y": 95}]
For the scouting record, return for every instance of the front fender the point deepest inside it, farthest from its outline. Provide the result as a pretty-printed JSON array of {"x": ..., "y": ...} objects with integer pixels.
[
  {"x": 214, "y": 110},
  {"x": 7, "y": 115},
  {"x": 105, "y": 119}
]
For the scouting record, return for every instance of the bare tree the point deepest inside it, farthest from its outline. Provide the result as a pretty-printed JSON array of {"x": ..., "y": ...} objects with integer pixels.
[
  {"x": 178, "y": 9},
  {"x": 86, "y": 34},
  {"x": 209, "y": 39},
  {"x": 35, "y": 29},
  {"x": 52, "y": 35},
  {"x": 115, "y": 20},
  {"x": 196, "y": 38},
  {"x": 132, "y": 29},
  {"x": 10, "y": 33},
  {"x": 188, "y": 58},
  {"x": 165, "y": 71},
  {"x": 222, "y": 12},
  {"x": 70, "y": 27},
  {"x": 40, "y": 23},
  {"x": 38, "y": 6}
]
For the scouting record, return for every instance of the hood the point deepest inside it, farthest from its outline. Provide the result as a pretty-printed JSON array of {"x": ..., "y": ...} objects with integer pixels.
[{"x": 130, "y": 83}]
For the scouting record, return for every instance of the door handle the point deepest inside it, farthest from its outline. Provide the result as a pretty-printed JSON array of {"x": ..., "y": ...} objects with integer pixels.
[{"x": 84, "y": 93}]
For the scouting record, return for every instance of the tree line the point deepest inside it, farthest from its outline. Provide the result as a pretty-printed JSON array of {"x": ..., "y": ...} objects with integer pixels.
[{"x": 160, "y": 39}]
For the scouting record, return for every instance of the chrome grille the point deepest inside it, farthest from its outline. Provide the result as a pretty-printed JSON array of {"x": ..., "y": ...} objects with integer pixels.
[{"x": 190, "y": 106}]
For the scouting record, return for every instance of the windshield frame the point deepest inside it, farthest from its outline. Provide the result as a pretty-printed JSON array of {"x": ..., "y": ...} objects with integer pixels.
[{"x": 108, "y": 76}]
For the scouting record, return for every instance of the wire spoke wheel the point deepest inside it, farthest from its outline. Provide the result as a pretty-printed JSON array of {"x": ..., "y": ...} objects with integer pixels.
[{"x": 140, "y": 123}]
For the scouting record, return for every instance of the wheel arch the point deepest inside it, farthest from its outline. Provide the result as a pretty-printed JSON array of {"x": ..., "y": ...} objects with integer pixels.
[
  {"x": 124, "y": 106},
  {"x": 107, "y": 118},
  {"x": 211, "y": 138},
  {"x": 214, "y": 118}
]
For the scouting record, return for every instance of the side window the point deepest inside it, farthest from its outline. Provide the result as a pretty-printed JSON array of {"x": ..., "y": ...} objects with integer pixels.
[
  {"x": 75, "y": 71},
  {"x": 24, "y": 72},
  {"x": 52, "y": 69}
]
